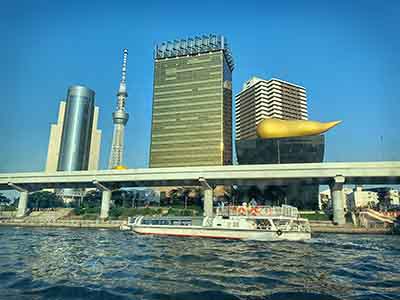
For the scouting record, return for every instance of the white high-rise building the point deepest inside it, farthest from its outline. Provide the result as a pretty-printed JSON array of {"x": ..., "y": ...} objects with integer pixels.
[
  {"x": 261, "y": 99},
  {"x": 359, "y": 198}
]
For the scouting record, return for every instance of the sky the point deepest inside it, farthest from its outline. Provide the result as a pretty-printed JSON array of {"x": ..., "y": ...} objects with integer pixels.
[{"x": 345, "y": 53}]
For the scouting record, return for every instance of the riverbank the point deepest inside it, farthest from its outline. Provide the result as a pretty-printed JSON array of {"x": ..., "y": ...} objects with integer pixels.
[
  {"x": 114, "y": 224},
  {"x": 316, "y": 226},
  {"x": 349, "y": 230}
]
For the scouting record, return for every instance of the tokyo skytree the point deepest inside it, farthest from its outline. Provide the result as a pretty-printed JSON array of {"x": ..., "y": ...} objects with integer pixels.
[{"x": 120, "y": 118}]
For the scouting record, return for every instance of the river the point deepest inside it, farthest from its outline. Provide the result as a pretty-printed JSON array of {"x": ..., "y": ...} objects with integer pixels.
[{"x": 61, "y": 263}]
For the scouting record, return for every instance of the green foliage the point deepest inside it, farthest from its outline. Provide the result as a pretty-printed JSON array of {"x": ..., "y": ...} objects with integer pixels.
[
  {"x": 45, "y": 200},
  {"x": 4, "y": 200},
  {"x": 181, "y": 212},
  {"x": 184, "y": 195},
  {"x": 82, "y": 211},
  {"x": 121, "y": 212},
  {"x": 78, "y": 211},
  {"x": 191, "y": 210},
  {"x": 90, "y": 216},
  {"x": 92, "y": 199},
  {"x": 8, "y": 208},
  {"x": 115, "y": 212},
  {"x": 92, "y": 210},
  {"x": 316, "y": 217}
]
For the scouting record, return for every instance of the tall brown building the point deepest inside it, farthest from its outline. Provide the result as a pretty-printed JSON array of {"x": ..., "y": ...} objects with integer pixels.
[{"x": 192, "y": 103}]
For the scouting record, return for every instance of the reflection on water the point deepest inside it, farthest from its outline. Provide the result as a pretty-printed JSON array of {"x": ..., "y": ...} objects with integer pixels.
[{"x": 38, "y": 263}]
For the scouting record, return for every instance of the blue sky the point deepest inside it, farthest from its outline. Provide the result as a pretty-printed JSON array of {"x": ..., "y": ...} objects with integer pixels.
[{"x": 346, "y": 54}]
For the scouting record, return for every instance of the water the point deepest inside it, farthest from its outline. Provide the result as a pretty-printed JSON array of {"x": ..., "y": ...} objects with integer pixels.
[{"x": 57, "y": 263}]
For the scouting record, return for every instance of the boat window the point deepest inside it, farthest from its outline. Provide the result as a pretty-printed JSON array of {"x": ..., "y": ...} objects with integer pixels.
[
  {"x": 263, "y": 224},
  {"x": 279, "y": 222}
]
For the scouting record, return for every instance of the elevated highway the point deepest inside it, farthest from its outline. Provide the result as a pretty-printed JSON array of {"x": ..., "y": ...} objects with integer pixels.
[
  {"x": 313, "y": 173},
  {"x": 332, "y": 174}
]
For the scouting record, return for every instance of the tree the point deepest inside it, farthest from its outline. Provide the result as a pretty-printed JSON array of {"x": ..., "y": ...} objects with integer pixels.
[
  {"x": 4, "y": 200},
  {"x": 122, "y": 198},
  {"x": 92, "y": 199},
  {"x": 186, "y": 195},
  {"x": 45, "y": 199},
  {"x": 255, "y": 193}
]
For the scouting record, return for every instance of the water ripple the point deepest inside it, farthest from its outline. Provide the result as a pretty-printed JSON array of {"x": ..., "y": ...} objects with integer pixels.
[{"x": 61, "y": 263}]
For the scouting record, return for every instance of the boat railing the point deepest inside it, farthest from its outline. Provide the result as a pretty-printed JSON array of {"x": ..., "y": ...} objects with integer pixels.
[{"x": 268, "y": 211}]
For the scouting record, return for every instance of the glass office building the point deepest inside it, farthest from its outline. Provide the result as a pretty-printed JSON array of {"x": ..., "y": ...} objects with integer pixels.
[
  {"x": 192, "y": 103},
  {"x": 305, "y": 149}
]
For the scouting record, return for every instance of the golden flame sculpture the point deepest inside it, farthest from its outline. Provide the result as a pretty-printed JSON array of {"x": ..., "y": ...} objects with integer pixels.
[
  {"x": 277, "y": 128},
  {"x": 120, "y": 168}
]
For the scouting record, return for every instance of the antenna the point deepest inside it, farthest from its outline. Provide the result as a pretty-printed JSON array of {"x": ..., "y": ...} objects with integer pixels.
[{"x": 125, "y": 59}]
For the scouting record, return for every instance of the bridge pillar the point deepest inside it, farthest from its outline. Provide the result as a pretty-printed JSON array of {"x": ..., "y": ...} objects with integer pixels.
[
  {"x": 22, "y": 204},
  {"x": 208, "y": 202},
  {"x": 23, "y": 200},
  {"x": 208, "y": 198},
  {"x": 105, "y": 204},
  {"x": 338, "y": 199},
  {"x": 105, "y": 199}
]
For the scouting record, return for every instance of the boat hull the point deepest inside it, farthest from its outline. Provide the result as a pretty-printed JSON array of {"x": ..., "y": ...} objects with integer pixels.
[{"x": 223, "y": 233}]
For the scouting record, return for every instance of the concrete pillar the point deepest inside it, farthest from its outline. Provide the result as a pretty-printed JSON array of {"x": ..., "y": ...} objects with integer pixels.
[
  {"x": 105, "y": 204},
  {"x": 22, "y": 204},
  {"x": 338, "y": 199},
  {"x": 208, "y": 202},
  {"x": 105, "y": 199},
  {"x": 23, "y": 199},
  {"x": 208, "y": 197}
]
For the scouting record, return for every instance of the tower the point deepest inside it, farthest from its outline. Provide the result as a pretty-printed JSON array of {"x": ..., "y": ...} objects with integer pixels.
[
  {"x": 74, "y": 142},
  {"x": 120, "y": 118},
  {"x": 192, "y": 103}
]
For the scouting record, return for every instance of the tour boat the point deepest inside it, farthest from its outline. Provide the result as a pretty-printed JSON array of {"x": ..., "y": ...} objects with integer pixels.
[{"x": 261, "y": 223}]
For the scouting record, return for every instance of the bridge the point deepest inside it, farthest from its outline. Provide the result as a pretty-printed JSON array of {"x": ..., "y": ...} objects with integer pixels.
[{"x": 333, "y": 174}]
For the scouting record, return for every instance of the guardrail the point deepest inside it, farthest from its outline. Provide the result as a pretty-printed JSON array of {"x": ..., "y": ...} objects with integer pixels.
[
  {"x": 68, "y": 222},
  {"x": 267, "y": 211}
]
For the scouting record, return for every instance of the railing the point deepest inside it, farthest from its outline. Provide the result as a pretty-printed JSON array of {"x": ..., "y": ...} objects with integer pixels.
[
  {"x": 73, "y": 223},
  {"x": 268, "y": 211}
]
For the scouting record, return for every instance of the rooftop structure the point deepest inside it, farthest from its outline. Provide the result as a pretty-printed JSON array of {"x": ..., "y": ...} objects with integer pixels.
[{"x": 193, "y": 46}]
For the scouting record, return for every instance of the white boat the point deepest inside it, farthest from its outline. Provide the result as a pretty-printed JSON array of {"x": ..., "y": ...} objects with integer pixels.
[{"x": 261, "y": 223}]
